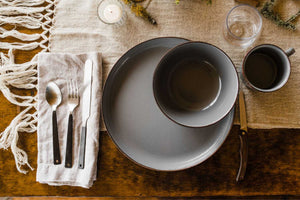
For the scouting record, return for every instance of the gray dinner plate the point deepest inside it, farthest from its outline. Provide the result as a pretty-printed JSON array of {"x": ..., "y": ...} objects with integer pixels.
[{"x": 136, "y": 124}]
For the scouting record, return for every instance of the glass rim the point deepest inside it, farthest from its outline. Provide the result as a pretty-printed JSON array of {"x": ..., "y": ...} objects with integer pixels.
[
  {"x": 260, "y": 22},
  {"x": 100, "y": 3}
]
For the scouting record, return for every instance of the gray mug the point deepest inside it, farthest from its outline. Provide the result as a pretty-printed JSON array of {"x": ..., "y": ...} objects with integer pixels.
[{"x": 266, "y": 68}]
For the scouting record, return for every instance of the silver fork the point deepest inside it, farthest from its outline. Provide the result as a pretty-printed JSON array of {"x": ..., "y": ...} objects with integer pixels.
[{"x": 73, "y": 100}]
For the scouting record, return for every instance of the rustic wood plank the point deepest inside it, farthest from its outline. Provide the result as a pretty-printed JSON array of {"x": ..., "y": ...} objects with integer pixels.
[
  {"x": 273, "y": 170},
  {"x": 151, "y": 198},
  {"x": 84, "y": 198}
]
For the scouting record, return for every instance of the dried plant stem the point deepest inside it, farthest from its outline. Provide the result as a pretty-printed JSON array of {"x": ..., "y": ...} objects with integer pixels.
[
  {"x": 294, "y": 17},
  {"x": 268, "y": 12},
  {"x": 140, "y": 11}
]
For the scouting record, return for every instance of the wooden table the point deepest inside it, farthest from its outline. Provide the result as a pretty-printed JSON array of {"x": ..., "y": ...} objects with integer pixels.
[{"x": 273, "y": 169}]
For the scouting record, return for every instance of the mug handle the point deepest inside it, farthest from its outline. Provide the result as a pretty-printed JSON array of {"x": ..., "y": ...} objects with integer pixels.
[{"x": 290, "y": 52}]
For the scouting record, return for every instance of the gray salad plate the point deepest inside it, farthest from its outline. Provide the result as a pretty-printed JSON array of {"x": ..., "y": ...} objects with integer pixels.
[{"x": 136, "y": 124}]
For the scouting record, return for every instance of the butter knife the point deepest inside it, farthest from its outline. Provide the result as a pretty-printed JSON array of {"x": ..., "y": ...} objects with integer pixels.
[
  {"x": 86, "y": 108},
  {"x": 243, "y": 135}
]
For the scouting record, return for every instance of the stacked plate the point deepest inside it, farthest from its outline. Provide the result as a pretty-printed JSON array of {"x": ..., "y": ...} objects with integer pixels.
[{"x": 137, "y": 125}]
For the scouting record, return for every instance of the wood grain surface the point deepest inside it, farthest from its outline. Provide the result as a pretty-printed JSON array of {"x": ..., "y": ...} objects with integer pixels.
[
  {"x": 145, "y": 198},
  {"x": 273, "y": 169}
]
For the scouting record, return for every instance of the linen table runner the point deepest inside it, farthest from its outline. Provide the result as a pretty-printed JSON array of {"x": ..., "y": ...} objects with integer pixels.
[{"x": 77, "y": 28}]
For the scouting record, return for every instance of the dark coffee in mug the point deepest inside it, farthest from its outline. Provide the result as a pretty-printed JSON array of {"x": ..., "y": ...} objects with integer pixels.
[
  {"x": 261, "y": 70},
  {"x": 266, "y": 68},
  {"x": 194, "y": 84}
]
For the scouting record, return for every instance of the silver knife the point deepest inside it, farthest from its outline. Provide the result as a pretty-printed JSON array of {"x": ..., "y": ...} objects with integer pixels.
[
  {"x": 86, "y": 109},
  {"x": 243, "y": 134}
]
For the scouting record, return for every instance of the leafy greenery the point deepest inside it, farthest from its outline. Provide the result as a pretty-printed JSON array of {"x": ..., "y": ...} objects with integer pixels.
[
  {"x": 268, "y": 12},
  {"x": 140, "y": 11}
]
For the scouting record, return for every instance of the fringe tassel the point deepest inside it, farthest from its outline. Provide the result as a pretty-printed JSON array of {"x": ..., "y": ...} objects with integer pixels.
[
  {"x": 19, "y": 45},
  {"x": 23, "y": 122},
  {"x": 31, "y": 14},
  {"x": 9, "y": 11},
  {"x": 30, "y": 3},
  {"x": 16, "y": 34},
  {"x": 25, "y": 21},
  {"x": 19, "y": 76}
]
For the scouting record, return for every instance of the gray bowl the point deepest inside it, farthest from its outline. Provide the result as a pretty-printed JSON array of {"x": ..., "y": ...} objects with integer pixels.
[{"x": 195, "y": 84}]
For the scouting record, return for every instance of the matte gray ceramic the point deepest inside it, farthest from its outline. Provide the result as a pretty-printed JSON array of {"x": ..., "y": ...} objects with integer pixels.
[
  {"x": 137, "y": 126},
  {"x": 282, "y": 63},
  {"x": 224, "y": 99}
]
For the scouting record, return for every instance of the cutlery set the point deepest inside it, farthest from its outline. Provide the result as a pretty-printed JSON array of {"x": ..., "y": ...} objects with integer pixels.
[{"x": 54, "y": 99}]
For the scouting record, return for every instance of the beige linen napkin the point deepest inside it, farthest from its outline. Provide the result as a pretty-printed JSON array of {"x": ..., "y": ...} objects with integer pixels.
[{"x": 59, "y": 67}]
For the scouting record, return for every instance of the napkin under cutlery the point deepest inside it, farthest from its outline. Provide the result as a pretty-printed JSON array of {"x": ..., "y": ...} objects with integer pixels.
[{"x": 61, "y": 67}]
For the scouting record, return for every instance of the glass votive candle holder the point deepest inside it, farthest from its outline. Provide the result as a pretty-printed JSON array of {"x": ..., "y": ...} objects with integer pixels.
[
  {"x": 111, "y": 12},
  {"x": 242, "y": 25}
]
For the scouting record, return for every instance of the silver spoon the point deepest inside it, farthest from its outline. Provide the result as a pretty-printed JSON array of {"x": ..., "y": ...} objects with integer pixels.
[{"x": 54, "y": 97}]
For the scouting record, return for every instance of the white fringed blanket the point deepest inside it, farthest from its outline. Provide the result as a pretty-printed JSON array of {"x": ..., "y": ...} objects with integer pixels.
[{"x": 29, "y": 14}]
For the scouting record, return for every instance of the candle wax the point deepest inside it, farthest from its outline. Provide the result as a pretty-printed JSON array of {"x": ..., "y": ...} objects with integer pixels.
[{"x": 112, "y": 13}]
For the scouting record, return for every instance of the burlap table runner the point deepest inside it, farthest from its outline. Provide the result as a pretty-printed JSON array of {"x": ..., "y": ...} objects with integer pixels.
[{"x": 77, "y": 29}]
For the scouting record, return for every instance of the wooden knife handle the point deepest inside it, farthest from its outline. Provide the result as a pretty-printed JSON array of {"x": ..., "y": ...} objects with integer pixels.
[{"x": 243, "y": 155}]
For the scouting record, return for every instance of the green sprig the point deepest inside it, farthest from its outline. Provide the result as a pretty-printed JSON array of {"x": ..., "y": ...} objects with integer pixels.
[
  {"x": 268, "y": 12},
  {"x": 140, "y": 11}
]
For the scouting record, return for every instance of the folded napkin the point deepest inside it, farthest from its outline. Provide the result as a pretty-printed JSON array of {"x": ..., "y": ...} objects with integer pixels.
[{"x": 60, "y": 68}]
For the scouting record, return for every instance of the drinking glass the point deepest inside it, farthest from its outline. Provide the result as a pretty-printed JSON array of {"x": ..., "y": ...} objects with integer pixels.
[{"x": 242, "y": 25}]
